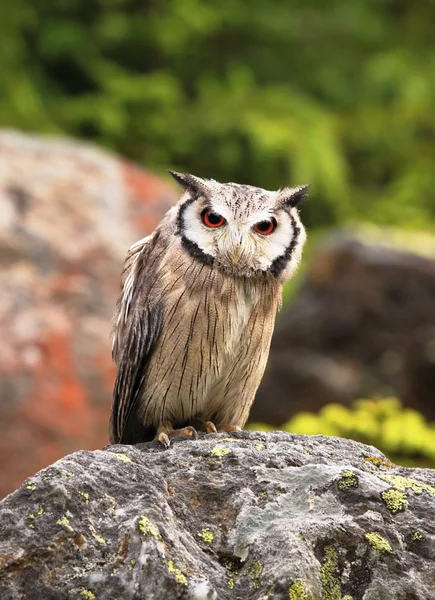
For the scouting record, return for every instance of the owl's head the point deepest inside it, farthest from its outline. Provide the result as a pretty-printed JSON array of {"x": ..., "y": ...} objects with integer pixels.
[{"x": 244, "y": 230}]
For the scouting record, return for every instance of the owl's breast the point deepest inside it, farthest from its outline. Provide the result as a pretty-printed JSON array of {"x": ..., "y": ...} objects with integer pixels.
[
  {"x": 241, "y": 301},
  {"x": 210, "y": 322}
]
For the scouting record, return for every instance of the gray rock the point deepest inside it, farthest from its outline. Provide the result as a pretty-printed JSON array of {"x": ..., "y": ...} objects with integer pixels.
[{"x": 243, "y": 516}]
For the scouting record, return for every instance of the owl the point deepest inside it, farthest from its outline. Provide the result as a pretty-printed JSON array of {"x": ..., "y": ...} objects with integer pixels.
[{"x": 199, "y": 297}]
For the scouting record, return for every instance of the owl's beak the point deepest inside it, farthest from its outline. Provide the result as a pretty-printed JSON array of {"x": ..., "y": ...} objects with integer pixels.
[
  {"x": 235, "y": 258},
  {"x": 234, "y": 251},
  {"x": 238, "y": 254}
]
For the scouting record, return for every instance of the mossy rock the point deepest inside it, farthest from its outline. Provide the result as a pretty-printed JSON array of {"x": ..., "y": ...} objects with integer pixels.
[{"x": 162, "y": 524}]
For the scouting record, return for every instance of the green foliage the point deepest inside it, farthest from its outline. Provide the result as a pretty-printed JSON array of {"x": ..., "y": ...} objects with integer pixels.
[
  {"x": 401, "y": 433},
  {"x": 337, "y": 94}
]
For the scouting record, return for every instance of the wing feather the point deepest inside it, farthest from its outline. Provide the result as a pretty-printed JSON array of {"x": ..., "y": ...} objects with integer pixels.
[{"x": 138, "y": 321}]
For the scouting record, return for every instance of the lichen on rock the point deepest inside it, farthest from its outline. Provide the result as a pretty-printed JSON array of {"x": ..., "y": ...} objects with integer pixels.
[
  {"x": 187, "y": 523},
  {"x": 396, "y": 501},
  {"x": 220, "y": 452},
  {"x": 146, "y": 527},
  {"x": 206, "y": 535},
  {"x": 297, "y": 592},
  {"x": 255, "y": 569},
  {"x": 178, "y": 574},
  {"x": 331, "y": 589},
  {"x": 121, "y": 456},
  {"x": 403, "y": 483},
  {"x": 378, "y": 542},
  {"x": 348, "y": 480}
]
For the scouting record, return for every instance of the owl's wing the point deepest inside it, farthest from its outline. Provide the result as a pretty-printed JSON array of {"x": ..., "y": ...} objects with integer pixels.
[{"x": 137, "y": 325}]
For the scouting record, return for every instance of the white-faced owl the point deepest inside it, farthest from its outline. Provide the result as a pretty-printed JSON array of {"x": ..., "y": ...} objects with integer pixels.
[{"x": 197, "y": 309}]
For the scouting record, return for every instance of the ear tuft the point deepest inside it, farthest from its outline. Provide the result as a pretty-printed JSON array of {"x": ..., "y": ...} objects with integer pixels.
[
  {"x": 190, "y": 182},
  {"x": 293, "y": 196},
  {"x": 179, "y": 178}
]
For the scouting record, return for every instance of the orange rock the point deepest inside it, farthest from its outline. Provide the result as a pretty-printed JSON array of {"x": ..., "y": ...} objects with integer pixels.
[{"x": 68, "y": 214}]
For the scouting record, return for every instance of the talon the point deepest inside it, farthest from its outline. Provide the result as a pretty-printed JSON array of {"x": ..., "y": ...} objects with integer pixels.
[
  {"x": 229, "y": 428},
  {"x": 210, "y": 427},
  {"x": 164, "y": 439},
  {"x": 192, "y": 432}
]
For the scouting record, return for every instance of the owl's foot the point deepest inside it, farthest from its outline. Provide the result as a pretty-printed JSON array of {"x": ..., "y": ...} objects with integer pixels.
[
  {"x": 165, "y": 434},
  {"x": 229, "y": 428},
  {"x": 208, "y": 427}
]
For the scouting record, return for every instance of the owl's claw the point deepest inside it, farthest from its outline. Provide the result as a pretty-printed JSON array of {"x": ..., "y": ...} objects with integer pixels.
[
  {"x": 189, "y": 430},
  {"x": 165, "y": 436},
  {"x": 209, "y": 427},
  {"x": 229, "y": 428},
  {"x": 164, "y": 440}
]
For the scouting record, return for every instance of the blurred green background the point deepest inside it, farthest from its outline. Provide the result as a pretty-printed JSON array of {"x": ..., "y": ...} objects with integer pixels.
[{"x": 340, "y": 95}]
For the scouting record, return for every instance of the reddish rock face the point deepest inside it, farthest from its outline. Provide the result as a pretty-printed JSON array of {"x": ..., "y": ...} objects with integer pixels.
[{"x": 68, "y": 213}]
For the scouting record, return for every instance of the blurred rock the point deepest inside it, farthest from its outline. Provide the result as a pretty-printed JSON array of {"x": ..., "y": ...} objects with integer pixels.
[
  {"x": 251, "y": 516},
  {"x": 362, "y": 324},
  {"x": 68, "y": 213}
]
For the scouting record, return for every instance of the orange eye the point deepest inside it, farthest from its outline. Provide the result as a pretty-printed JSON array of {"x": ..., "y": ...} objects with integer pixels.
[
  {"x": 265, "y": 227},
  {"x": 211, "y": 219}
]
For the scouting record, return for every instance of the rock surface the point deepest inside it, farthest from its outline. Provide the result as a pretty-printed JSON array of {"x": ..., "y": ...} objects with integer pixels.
[
  {"x": 243, "y": 516},
  {"x": 68, "y": 213},
  {"x": 362, "y": 325}
]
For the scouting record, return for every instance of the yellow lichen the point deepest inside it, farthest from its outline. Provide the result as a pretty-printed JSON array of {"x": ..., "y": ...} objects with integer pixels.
[
  {"x": 331, "y": 588},
  {"x": 131, "y": 565},
  {"x": 396, "y": 501},
  {"x": 348, "y": 480},
  {"x": 31, "y": 485},
  {"x": 99, "y": 539},
  {"x": 297, "y": 592},
  {"x": 146, "y": 527},
  {"x": 65, "y": 523},
  {"x": 121, "y": 456},
  {"x": 260, "y": 446},
  {"x": 378, "y": 543},
  {"x": 32, "y": 516},
  {"x": 255, "y": 570},
  {"x": 220, "y": 452},
  {"x": 416, "y": 536},
  {"x": 38, "y": 514},
  {"x": 262, "y": 494},
  {"x": 84, "y": 495},
  {"x": 206, "y": 535},
  {"x": 179, "y": 575},
  {"x": 87, "y": 595},
  {"x": 403, "y": 483},
  {"x": 232, "y": 570}
]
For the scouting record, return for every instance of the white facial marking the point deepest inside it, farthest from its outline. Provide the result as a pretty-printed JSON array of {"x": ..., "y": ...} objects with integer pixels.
[{"x": 236, "y": 245}]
